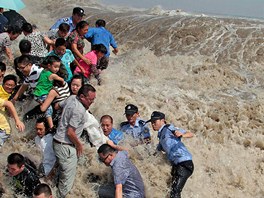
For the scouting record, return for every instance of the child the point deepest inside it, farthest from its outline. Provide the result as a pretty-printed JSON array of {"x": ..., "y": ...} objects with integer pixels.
[
  {"x": 45, "y": 83},
  {"x": 94, "y": 56},
  {"x": 2, "y": 71},
  {"x": 65, "y": 55},
  {"x": 9, "y": 84},
  {"x": 177, "y": 153}
]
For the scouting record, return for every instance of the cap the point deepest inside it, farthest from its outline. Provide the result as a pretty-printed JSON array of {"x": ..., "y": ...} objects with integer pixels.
[
  {"x": 131, "y": 109},
  {"x": 78, "y": 10},
  {"x": 156, "y": 115}
]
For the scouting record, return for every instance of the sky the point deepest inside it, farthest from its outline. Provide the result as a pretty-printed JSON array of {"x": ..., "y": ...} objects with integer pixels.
[{"x": 240, "y": 8}]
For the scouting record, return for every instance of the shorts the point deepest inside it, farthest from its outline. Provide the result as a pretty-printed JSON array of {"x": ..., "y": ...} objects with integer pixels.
[
  {"x": 41, "y": 99},
  {"x": 3, "y": 137}
]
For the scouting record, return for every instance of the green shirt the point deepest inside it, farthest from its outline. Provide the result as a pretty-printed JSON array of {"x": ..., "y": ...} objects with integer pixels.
[{"x": 44, "y": 85}]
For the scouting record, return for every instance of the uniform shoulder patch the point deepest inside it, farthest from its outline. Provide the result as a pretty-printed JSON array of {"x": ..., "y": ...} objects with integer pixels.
[{"x": 123, "y": 123}]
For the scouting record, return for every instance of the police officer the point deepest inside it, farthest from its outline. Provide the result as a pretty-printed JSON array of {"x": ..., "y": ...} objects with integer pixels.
[
  {"x": 77, "y": 16},
  {"x": 134, "y": 126}
]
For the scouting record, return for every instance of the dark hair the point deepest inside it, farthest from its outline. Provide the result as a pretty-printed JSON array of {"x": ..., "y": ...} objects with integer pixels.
[
  {"x": 25, "y": 46},
  {"x": 42, "y": 188},
  {"x": 100, "y": 23},
  {"x": 64, "y": 27},
  {"x": 2, "y": 66},
  {"x": 107, "y": 117},
  {"x": 49, "y": 60},
  {"x": 14, "y": 30},
  {"x": 25, "y": 59},
  {"x": 81, "y": 25},
  {"x": 60, "y": 42},
  {"x": 78, "y": 76},
  {"x": 16, "y": 158},
  {"x": 27, "y": 27},
  {"x": 44, "y": 121},
  {"x": 10, "y": 77},
  {"x": 106, "y": 149},
  {"x": 99, "y": 48},
  {"x": 85, "y": 89},
  {"x": 61, "y": 73}
]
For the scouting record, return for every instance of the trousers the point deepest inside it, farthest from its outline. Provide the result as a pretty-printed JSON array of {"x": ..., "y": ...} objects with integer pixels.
[{"x": 180, "y": 173}]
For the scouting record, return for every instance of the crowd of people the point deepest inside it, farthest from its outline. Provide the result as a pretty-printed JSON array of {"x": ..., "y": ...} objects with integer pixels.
[{"x": 54, "y": 70}]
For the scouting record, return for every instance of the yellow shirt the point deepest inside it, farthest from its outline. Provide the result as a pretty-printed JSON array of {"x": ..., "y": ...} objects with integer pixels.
[
  {"x": 4, "y": 124},
  {"x": 3, "y": 94}
]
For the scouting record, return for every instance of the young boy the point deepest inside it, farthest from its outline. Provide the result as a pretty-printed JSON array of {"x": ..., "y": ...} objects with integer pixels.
[
  {"x": 42, "y": 191},
  {"x": 65, "y": 55},
  {"x": 180, "y": 158},
  {"x": 2, "y": 71}
]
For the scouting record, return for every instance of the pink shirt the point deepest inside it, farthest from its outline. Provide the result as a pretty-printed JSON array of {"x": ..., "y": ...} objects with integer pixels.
[{"x": 93, "y": 58}]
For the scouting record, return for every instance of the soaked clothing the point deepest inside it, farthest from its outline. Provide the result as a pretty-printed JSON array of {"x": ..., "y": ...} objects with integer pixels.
[
  {"x": 178, "y": 155},
  {"x": 139, "y": 131},
  {"x": 116, "y": 136},
  {"x": 180, "y": 173},
  {"x": 4, "y": 124},
  {"x": 75, "y": 38},
  {"x": 44, "y": 85},
  {"x": 5, "y": 42},
  {"x": 127, "y": 174},
  {"x": 33, "y": 76},
  {"x": 3, "y": 94},
  {"x": 25, "y": 182}
]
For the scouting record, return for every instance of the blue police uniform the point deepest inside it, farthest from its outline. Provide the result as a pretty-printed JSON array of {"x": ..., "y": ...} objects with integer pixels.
[
  {"x": 67, "y": 20},
  {"x": 116, "y": 136},
  {"x": 172, "y": 145},
  {"x": 140, "y": 131}
]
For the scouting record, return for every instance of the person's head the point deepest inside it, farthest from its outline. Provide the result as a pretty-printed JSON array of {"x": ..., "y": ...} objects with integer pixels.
[
  {"x": 60, "y": 46},
  {"x": 106, "y": 154},
  {"x": 2, "y": 69},
  {"x": 9, "y": 83},
  {"x": 100, "y": 23},
  {"x": 41, "y": 127},
  {"x": 131, "y": 112},
  {"x": 77, "y": 15},
  {"x": 64, "y": 29},
  {"x": 1, "y": 10},
  {"x": 76, "y": 83},
  {"x": 27, "y": 28},
  {"x": 87, "y": 95},
  {"x": 42, "y": 191},
  {"x": 100, "y": 50},
  {"x": 106, "y": 124},
  {"x": 25, "y": 46},
  {"x": 157, "y": 120},
  {"x": 15, "y": 164},
  {"x": 82, "y": 27},
  {"x": 13, "y": 32},
  {"x": 24, "y": 64},
  {"x": 52, "y": 63}
]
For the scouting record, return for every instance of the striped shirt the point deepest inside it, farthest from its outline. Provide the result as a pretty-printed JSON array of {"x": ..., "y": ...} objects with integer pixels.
[
  {"x": 33, "y": 76},
  {"x": 63, "y": 92}
]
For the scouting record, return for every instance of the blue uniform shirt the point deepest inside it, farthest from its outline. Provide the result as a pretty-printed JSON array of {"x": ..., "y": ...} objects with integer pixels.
[
  {"x": 116, "y": 136},
  {"x": 67, "y": 20},
  {"x": 139, "y": 131},
  {"x": 100, "y": 35},
  {"x": 172, "y": 145}
]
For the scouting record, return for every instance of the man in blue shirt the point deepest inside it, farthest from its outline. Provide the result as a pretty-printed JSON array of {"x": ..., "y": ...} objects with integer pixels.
[
  {"x": 107, "y": 126},
  {"x": 180, "y": 158},
  {"x": 100, "y": 35},
  {"x": 77, "y": 16},
  {"x": 134, "y": 126},
  {"x": 127, "y": 179}
]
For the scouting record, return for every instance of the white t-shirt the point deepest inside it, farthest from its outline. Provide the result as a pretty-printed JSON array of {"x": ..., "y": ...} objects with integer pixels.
[{"x": 33, "y": 76}]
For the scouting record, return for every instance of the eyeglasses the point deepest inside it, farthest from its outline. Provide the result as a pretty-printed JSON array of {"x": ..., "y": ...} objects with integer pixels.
[
  {"x": 22, "y": 68},
  {"x": 9, "y": 85},
  {"x": 104, "y": 159}
]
